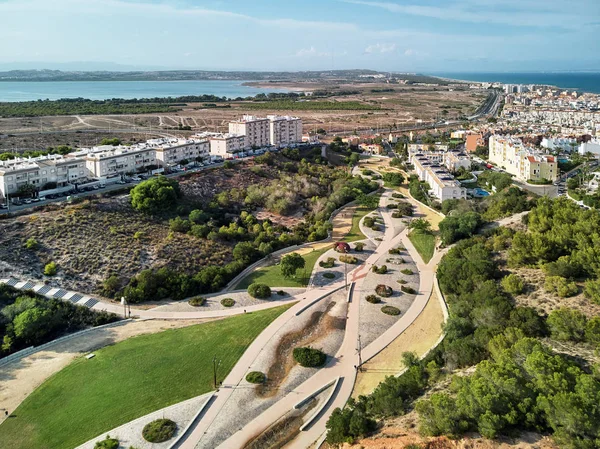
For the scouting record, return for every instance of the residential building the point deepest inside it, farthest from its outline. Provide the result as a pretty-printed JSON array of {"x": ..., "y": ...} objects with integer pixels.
[
  {"x": 256, "y": 130},
  {"x": 454, "y": 160},
  {"x": 107, "y": 161},
  {"x": 593, "y": 146},
  {"x": 559, "y": 143},
  {"x": 473, "y": 141},
  {"x": 284, "y": 130},
  {"x": 41, "y": 172},
  {"x": 227, "y": 145},
  {"x": 371, "y": 148},
  {"x": 172, "y": 151},
  {"x": 524, "y": 162},
  {"x": 414, "y": 147},
  {"x": 441, "y": 183}
]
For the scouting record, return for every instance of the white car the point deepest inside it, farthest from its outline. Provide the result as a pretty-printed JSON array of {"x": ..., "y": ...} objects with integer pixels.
[{"x": 136, "y": 179}]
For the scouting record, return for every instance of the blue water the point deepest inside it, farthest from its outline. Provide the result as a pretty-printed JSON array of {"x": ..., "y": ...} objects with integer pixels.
[
  {"x": 582, "y": 81},
  {"x": 102, "y": 90},
  {"x": 481, "y": 192}
]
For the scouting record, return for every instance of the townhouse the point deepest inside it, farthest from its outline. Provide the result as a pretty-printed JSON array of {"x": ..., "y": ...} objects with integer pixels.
[
  {"x": 522, "y": 161},
  {"x": 171, "y": 152},
  {"x": 442, "y": 184}
]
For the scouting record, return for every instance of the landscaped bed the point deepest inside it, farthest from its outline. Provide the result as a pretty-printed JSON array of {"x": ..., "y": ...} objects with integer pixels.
[{"x": 129, "y": 380}]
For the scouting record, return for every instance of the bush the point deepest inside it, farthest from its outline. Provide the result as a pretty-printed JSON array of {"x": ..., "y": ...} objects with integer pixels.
[
  {"x": 369, "y": 222},
  {"x": 256, "y": 377},
  {"x": 260, "y": 291},
  {"x": 328, "y": 275},
  {"x": 560, "y": 286},
  {"x": 380, "y": 270},
  {"x": 309, "y": 357},
  {"x": 159, "y": 430},
  {"x": 592, "y": 290},
  {"x": 280, "y": 292},
  {"x": 358, "y": 247},
  {"x": 384, "y": 291},
  {"x": 397, "y": 195},
  {"x": 408, "y": 290},
  {"x": 401, "y": 281},
  {"x": 107, "y": 443},
  {"x": 394, "y": 179},
  {"x": 50, "y": 269},
  {"x": 341, "y": 247},
  {"x": 197, "y": 301},
  {"x": 407, "y": 271},
  {"x": 394, "y": 251},
  {"x": 390, "y": 310},
  {"x": 31, "y": 243},
  {"x": 329, "y": 263},
  {"x": 513, "y": 284},
  {"x": 345, "y": 258},
  {"x": 567, "y": 324},
  {"x": 228, "y": 302},
  {"x": 373, "y": 299}
]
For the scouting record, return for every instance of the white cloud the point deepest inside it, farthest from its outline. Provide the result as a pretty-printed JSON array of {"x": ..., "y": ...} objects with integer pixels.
[
  {"x": 310, "y": 52},
  {"x": 410, "y": 52},
  {"x": 380, "y": 48}
]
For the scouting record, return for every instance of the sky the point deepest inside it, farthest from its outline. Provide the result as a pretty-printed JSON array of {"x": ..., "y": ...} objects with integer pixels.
[{"x": 290, "y": 35}]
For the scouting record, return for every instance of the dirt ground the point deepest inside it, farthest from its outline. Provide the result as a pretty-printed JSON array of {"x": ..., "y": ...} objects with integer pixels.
[
  {"x": 20, "y": 378},
  {"x": 406, "y": 105},
  {"x": 419, "y": 337}
]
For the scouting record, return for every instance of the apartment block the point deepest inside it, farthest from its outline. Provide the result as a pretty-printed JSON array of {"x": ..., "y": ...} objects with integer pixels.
[
  {"x": 284, "y": 130},
  {"x": 441, "y": 183},
  {"x": 40, "y": 172},
  {"x": 522, "y": 161},
  {"x": 106, "y": 161},
  {"x": 227, "y": 145},
  {"x": 171, "y": 152},
  {"x": 256, "y": 129}
]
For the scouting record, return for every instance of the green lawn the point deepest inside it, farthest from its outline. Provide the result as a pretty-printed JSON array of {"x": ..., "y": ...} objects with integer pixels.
[
  {"x": 129, "y": 380},
  {"x": 355, "y": 233},
  {"x": 424, "y": 244},
  {"x": 271, "y": 275}
]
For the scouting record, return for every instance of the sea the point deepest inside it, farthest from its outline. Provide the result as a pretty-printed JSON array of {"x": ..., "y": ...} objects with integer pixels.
[
  {"x": 582, "y": 81},
  {"x": 11, "y": 91}
]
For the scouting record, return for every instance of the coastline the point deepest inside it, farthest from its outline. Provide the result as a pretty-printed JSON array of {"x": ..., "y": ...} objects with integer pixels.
[{"x": 290, "y": 86}]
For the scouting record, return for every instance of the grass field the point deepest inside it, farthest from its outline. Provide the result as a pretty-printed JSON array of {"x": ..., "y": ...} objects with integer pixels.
[
  {"x": 355, "y": 233},
  {"x": 129, "y": 380},
  {"x": 272, "y": 276},
  {"x": 424, "y": 244}
]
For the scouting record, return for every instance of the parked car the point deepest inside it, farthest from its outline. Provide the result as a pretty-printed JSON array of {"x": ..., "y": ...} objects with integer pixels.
[
  {"x": 27, "y": 201},
  {"x": 42, "y": 198},
  {"x": 136, "y": 178}
]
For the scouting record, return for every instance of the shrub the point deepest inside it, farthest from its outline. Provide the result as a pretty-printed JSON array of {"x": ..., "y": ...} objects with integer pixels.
[
  {"x": 513, "y": 284},
  {"x": 329, "y": 263},
  {"x": 390, "y": 310},
  {"x": 392, "y": 206},
  {"x": 228, "y": 302},
  {"x": 407, "y": 271},
  {"x": 373, "y": 299},
  {"x": 309, "y": 357},
  {"x": 328, "y": 275},
  {"x": 401, "y": 281},
  {"x": 107, "y": 443},
  {"x": 348, "y": 259},
  {"x": 380, "y": 270},
  {"x": 341, "y": 247},
  {"x": 560, "y": 286},
  {"x": 197, "y": 301},
  {"x": 384, "y": 290},
  {"x": 155, "y": 195},
  {"x": 409, "y": 290},
  {"x": 567, "y": 324},
  {"x": 358, "y": 247},
  {"x": 31, "y": 243},
  {"x": 394, "y": 251},
  {"x": 592, "y": 290},
  {"x": 256, "y": 377},
  {"x": 280, "y": 292},
  {"x": 159, "y": 430},
  {"x": 260, "y": 291},
  {"x": 368, "y": 222},
  {"x": 138, "y": 235},
  {"x": 50, "y": 269},
  {"x": 397, "y": 195}
]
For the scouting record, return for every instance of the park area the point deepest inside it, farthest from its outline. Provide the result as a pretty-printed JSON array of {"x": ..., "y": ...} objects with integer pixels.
[{"x": 128, "y": 380}]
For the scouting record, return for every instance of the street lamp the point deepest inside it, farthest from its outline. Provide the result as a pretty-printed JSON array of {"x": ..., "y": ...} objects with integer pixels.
[
  {"x": 216, "y": 364},
  {"x": 124, "y": 302}
]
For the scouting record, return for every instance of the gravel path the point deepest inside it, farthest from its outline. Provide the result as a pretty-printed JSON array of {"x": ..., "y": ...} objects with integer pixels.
[
  {"x": 130, "y": 434},
  {"x": 241, "y": 298},
  {"x": 373, "y": 322},
  {"x": 244, "y": 403},
  {"x": 369, "y": 232},
  {"x": 319, "y": 280}
]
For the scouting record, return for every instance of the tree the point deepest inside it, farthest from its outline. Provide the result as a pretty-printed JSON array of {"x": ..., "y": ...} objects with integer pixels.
[
  {"x": 513, "y": 284},
  {"x": 260, "y": 291},
  {"x": 290, "y": 263},
  {"x": 394, "y": 179},
  {"x": 567, "y": 324},
  {"x": 155, "y": 195},
  {"x": 420, "y": 225},
  {"x": 33, "y": 325},
  {"x": 50, "y": 269}
]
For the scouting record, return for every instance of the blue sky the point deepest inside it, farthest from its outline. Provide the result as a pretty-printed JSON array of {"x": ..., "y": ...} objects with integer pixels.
[{"x": 392, "y": 35}]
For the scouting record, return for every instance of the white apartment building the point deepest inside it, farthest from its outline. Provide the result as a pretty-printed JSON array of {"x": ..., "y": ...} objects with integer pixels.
[
  {"x": 39, "y": 172},
  {"x": 559, "y": 143},
  {"x": 593, "y": 146},
  {"x": 510, "y": 154},
  {"x": 451, "y": 159},
  {"x": 256, "y": 130},
  {"x": 171, "y": 152},
  {"x": 442, "y": 184},
  {"x": 284, "y": 130},
  {"x": 106, "y": 161},
  {"x": 226, "y": 145}
]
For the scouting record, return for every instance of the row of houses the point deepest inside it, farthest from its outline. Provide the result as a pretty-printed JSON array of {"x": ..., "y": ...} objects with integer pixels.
[
  {"x": 524, "y": 162},
  {"x": 107, "y": 161},
  {"x": 434, "y": 167}
]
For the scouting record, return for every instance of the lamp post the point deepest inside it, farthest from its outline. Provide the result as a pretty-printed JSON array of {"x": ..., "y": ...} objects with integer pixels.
[{"x": 215, "y": 366}]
